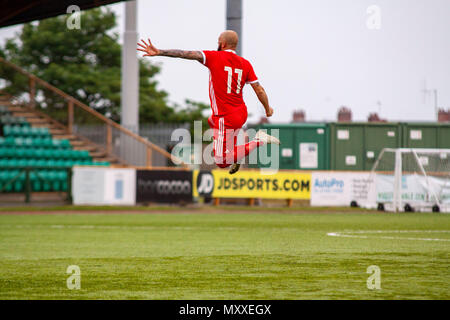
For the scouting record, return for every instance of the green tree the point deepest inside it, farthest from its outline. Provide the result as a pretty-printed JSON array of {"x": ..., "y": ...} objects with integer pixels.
[{"x": 86, "y": 64}]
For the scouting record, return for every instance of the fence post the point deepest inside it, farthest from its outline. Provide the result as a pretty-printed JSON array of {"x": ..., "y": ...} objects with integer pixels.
[
  {"x": 69, "y": 185},
  {"x": 70, "y": 116},
  {"x": 109, "y": 138},
  {"x": 149, "y": 157},
  {"x": 27, "y": 185},
  {"x": 32, "y": 93}
]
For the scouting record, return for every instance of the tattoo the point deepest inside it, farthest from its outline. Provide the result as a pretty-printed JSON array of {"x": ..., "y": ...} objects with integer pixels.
[{"x": 190, "y": 55}]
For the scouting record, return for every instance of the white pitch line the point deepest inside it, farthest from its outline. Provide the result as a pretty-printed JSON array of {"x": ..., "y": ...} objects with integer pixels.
[
  {"x": 106, "y": 227},
  {"x": 360, "y": 234}
]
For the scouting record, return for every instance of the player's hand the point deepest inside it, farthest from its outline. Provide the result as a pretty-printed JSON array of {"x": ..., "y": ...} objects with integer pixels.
[
  {"x": 269, "y": 112},
  {"x": 148, "y": 48}
]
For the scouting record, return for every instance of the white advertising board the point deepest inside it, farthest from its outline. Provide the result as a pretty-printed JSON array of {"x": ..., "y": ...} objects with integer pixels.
[
  {"x": 341, "y": 188},
  {"x": 103, "y": 186},
  {"x": 414, "y": 189}
]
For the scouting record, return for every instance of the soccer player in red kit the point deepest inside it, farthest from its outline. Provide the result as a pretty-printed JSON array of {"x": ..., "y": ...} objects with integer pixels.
[{"x": 228, "y": 75}]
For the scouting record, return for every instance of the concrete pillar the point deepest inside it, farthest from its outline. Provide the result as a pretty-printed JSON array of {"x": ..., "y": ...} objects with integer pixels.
[
  {"x": 234, "y": 20},
  {"x": 130, "y": 70}
]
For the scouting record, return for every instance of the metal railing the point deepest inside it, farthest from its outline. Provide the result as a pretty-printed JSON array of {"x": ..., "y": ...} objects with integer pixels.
[{"x": 78, "y": 119}]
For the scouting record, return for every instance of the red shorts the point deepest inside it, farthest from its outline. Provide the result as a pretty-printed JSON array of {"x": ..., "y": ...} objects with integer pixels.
[{"x": 225, "y": 131}]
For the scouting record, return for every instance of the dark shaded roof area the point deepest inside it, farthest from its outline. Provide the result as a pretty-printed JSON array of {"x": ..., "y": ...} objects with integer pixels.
[{"x": 20, "y": 11}]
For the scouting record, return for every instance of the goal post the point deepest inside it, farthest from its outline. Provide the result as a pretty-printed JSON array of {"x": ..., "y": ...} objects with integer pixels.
[{"x": 412, "y": 179}]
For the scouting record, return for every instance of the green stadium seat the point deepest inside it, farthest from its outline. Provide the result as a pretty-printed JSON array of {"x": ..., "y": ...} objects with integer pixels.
[
  {"x": 35, "y": 181},
  {"x": 25, "y": 131},
  {"x": 9, "y": 142},
  {"x": 46, "y": 153},
  {"x": 37, "y": 142},
  {"x": 27, "y": 142},
  {"x": 5, "y": 178},
  {"x": 84, "y": 154},
  {"x": 10, "y": 152},
  {"x": 57, "y": 153},
  {"x": 69, "y": 163},
  {"x": 28, "y": 153},
  {"x": 34, "y": 132},
  {"x": 39, "y": 153},
  {"x": 74, "y": 154},
  {"x": 65, "y": 143},
  {"x": 2, "y": 141},
  {"x": 65, "y": 154},
  {"x": 56, "y": 143},
  {"x": 47, "y": 142},
  {"x": 46, "y": 184},
  {"x": 12, "y": 163},
  {"x": 18, "y": 142},
  {"x": 31, "y": 162},
  {"x": 16, "y": 131},
  {"x": 62, "y": 176},
  {"x": 44, "y": 132},
  {"x": 7, "y": 130},
  {"x": 40, "y": 163},
  {"x": 19, "y": 152},
  {"x": 21, "y": 162},
  {"x": 50, "y": 163},
  {"x": 2, "y": 178}
]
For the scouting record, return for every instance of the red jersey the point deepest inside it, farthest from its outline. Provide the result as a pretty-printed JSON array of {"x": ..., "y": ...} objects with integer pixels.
[{"x": 228, "y": 73}]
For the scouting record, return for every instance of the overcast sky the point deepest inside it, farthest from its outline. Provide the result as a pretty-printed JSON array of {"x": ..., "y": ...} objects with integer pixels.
[{"x": 314, "y": 55}]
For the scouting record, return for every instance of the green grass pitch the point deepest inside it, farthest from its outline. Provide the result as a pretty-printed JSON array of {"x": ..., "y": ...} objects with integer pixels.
[{"x": 234, "y": 255}]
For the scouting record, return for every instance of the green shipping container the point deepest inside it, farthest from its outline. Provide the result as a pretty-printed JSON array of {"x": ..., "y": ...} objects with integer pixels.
[
  {"x": 356, "y": 146},
  {"x": 304, "y": 146},
  {"x": 426, "y": 135}
]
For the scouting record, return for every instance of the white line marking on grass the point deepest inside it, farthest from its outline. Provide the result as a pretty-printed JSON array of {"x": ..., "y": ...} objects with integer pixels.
[
  {"x": 362, "y": 234},
  {"x": 106, "y": 227}
]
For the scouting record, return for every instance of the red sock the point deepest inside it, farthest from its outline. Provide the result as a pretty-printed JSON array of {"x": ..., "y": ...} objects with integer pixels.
[{"x": 244, "y": 150}]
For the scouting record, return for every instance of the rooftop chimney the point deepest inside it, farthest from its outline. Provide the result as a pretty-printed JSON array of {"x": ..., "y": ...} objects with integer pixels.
[
  {"x": 443, "y": 116},
  {"x": 373, "y": 117},
  {"x": 344, "y": 114},
  {"x": 298, "y": 116}
]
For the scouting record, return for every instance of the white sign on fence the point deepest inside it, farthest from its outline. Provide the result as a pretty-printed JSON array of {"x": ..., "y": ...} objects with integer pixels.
[
  {"x": 103, "y": 186},
  {"x": 341, "y": 188}
]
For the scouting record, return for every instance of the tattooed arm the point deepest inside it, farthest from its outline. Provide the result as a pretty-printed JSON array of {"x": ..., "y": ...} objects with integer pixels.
[
  {"x": 150, "y": 51},
  {"x": 190, "y": 55}
]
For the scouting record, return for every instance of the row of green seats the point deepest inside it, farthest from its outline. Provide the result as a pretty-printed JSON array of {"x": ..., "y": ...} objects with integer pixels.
[
  {"x": 44, "y": 163},
  {"x": 38, "y": 153},
  {"x": 40, "y": 180},
  {"x": 34, "y": 142},
  {"x": 25, "y": 131},
  {"x": 12, "y": 163},
  {"x": 8, "y": 119}
]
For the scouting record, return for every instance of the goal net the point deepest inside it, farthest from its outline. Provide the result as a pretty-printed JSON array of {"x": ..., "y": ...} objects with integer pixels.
[{"x": 412, "y": 180}]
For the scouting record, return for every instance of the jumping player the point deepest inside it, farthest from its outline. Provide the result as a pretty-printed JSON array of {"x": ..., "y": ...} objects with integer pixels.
[{"x": 228, "y": 75}]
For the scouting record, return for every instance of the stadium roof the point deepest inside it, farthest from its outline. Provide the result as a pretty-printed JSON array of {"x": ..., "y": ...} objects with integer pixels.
[{"x": 21, "y": 11}]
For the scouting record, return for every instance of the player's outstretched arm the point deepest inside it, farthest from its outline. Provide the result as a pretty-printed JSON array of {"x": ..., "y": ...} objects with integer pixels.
[
  {"x": 151, "y": 51},
  {"x": 262, "y": 96}
]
